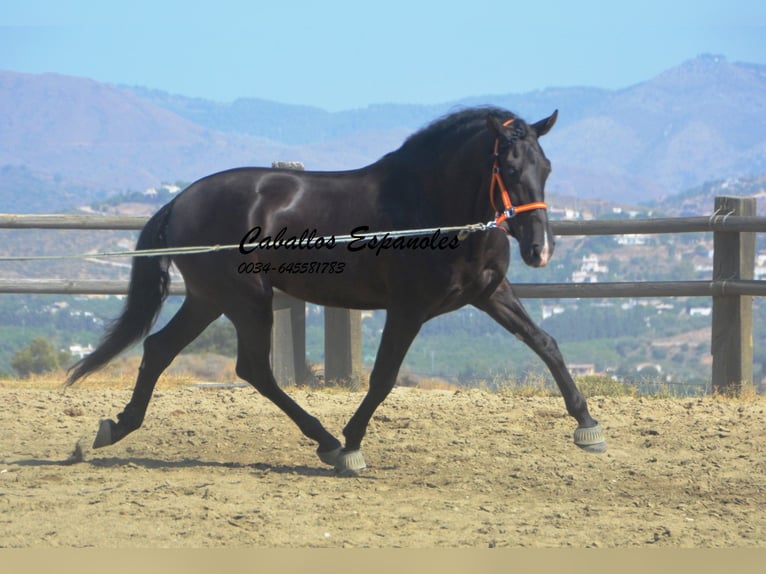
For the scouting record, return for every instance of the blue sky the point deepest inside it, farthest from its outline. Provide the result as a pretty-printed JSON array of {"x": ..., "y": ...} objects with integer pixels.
[{"x": 348, "y": 54}]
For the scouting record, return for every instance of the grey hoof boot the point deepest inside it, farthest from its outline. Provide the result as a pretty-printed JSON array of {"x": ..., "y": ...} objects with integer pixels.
[
  {"x": 590, "y": 439},
  {"x": 350, "y": 462},
  {"x": 346, "y": 462}
]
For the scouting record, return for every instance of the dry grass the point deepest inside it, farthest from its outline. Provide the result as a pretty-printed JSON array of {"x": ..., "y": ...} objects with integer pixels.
[
  {"x": 747, "y": 392},
  {"x": 436, "y": 384},
  {"x": 55, "y": 381},
  {"x": 595, "y": 385},
  {"x": 121, "y": 374}
]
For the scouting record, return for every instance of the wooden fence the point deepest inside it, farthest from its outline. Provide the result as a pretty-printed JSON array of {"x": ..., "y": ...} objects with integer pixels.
[
  {"x": 343, "y": 327},
  {"x": 732, "y": 287}
]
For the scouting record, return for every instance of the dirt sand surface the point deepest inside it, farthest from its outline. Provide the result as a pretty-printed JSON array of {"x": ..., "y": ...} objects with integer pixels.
[{"x": 224, "y": 467}]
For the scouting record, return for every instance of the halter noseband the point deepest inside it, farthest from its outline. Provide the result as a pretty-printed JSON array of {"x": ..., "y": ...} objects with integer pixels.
[{"x": 509, "y": 210}]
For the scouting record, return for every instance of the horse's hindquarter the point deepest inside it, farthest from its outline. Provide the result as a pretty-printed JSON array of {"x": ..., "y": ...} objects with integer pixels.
[{"x": 280, "y": 217}]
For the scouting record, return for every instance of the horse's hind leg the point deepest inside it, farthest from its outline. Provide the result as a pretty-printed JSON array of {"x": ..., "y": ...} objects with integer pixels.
[
  {"x": 505, "y": 308},
  {"x": 253, "y": 321},
  {"x": 159, "y": 351}
]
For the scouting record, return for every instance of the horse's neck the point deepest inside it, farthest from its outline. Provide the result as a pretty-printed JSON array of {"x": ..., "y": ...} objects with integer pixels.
[{"x": 461, "y": 189}]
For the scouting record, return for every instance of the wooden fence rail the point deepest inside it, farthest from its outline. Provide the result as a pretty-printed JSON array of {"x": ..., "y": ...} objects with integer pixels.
[
  {"x": 659, "y": 225},
  {"x": 732, "y": 287},
  {"x": 604, "y": 290}
]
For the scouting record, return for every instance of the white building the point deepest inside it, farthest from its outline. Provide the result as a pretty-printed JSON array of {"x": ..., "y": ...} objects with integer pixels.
[
  {"x": 78, "y": 351},
  {"x": 631, "y": 239}
]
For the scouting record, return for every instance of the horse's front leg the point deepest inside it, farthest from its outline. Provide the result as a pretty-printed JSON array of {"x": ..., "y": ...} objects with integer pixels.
[
  {"x": 505, "y": 308},
  {"x": 398, "y": 333}
]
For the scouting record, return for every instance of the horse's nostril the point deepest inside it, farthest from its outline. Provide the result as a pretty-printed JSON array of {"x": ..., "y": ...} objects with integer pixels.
[{"x": 540, "y": 254}]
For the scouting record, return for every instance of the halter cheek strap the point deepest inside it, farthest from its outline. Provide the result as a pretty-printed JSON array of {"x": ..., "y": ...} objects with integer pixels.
[{"x": 509, "y": 210}]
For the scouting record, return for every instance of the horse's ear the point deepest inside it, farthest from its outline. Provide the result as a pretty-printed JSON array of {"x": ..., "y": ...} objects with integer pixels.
[{"x": 544, "y": 126}]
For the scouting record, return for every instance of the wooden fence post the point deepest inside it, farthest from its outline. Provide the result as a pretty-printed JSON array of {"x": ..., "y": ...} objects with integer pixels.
[
  {"x": 732, "y": 332},
  {"x": 288, "y": 341},
  {"x": 343, "y": 345}
]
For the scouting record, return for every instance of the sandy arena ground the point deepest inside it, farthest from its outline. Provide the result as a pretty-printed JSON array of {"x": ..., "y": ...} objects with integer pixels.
[{"x": 223, "y": 467}]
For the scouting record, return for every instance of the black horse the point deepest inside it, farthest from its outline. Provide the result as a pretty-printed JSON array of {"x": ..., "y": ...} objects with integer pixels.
[{"x": 451, "y": 173}]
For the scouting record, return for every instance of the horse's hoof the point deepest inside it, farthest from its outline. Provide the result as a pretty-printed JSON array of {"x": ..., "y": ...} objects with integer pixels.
[
  {"x": 349, "y": 462},
  {"x": 329, "y": 456},
  {"x": 590, "y": 439},
  {"x": 104, "y": 435}
]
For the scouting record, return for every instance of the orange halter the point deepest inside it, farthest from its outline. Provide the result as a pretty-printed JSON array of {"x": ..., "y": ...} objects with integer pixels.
[{"x": 497, "y": 180}]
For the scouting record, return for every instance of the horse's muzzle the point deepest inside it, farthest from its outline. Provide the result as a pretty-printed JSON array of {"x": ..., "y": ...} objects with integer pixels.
[{"x": 539, "y": 254}]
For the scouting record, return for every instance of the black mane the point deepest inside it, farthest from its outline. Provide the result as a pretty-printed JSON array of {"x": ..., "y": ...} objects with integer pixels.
[{"x": 449, "y": 132}]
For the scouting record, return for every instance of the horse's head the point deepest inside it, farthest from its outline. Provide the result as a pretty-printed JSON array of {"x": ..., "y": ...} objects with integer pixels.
[{"x": 518, "y": 185}]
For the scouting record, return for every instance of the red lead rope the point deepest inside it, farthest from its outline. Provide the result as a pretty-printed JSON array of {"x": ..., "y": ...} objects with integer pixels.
[{"x": 497, "y": 180}]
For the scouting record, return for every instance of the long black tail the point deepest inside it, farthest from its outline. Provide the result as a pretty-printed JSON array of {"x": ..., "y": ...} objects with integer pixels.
[{"x": 149, "y": 283}]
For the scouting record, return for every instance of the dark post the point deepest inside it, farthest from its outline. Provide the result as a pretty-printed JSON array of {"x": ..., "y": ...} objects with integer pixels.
[
  {"x": 298, "y": 327},
  {"x": 732, "y": 336}
]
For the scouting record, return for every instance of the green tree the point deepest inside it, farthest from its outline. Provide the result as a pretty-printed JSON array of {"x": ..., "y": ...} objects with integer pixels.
[
  {"x": 39, "y": 356},
  {"x": 220, "y": 337}
]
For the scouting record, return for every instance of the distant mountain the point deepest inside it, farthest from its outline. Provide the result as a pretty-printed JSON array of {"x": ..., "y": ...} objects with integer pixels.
[
  {"x": 65, "y": 139},
  {"x": 100, "y": 137},
  {"x": 290, "y": 124},
  {"x": 703, "y": 120},
  {"x": 24, "y": 190}
]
